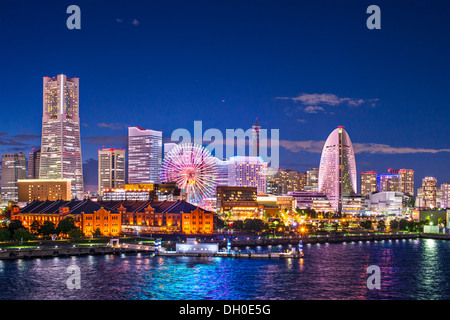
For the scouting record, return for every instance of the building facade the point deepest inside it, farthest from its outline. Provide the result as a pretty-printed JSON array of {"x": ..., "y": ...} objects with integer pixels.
[
  {"x": 237, "y": 203},
  {"x": 337, "y": 170},
  {"x": 61, "y": 144},
  {"x": 429, "y": 192},
  {"x": 246, "y": 171},
  {"x": 289, "y": 180},
  {"x": 385, "y": 202},
  {"x": 144, "y": 192},
  {"x": 368, "y": 182},
  {"x": 163, "y": 216},
  {"x": 44, "y": 189},
  {"x": 111, "y": 169},
  {"x": 222, "y": 172},
  {"x": 312, "y": 180},
  {"x": 144, "y": 155},
  {"x": 34, "y": 161},
  {"x": 388, "y": 182},
  {"x": 14, "y": 167},
  {"x": 405, "y": 180},
  {"x": 445, "y": 195},
  {"x": 311, "y": 200},
  {"x": 88, "y": 215}
]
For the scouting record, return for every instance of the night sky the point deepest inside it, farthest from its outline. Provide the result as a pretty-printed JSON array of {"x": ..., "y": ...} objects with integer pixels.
[{"x": 303, "y": 67}]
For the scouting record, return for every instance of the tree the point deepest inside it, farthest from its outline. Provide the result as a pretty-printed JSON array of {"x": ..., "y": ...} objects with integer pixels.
[
  {"x": 238, "y": 225},
  {"x": 97, "y": 233},
  {"x": 367, "y": 224},
  {"x": 47, "y": 228},
  {"x": 220, "y": 223},
  {"x": 8, "y": 209},
  {"x": 14, "y": 225},
  {"x": 34, "y": 227},
  {"x": 65, "y": 225},
  {"x": 381, "y": 225},
  {"x": 254, "y": 224},
  {"x": 22, "y": 234},
  {"x": 402, "y": 224},
  {"x": 394, "y": 224},
  {"x": 5, "y": 234},
  {"x": 76, "y": 233}
]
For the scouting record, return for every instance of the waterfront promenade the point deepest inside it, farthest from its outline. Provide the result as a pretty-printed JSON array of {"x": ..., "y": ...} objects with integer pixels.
[
  {"x": 235, "y": 241},
  {"x": 48, "y": 252}
]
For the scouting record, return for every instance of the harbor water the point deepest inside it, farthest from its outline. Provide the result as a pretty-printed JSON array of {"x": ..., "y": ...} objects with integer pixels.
[{"x": 409, "y": 269}]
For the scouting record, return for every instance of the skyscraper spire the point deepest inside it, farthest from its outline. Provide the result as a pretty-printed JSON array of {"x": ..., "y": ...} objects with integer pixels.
[{"x": 255, "y": 138}]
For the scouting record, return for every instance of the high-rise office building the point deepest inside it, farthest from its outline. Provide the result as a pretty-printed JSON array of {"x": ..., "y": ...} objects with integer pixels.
[
  {"x": 272, "y": 186},
  {"x": 111, "y": 169},
  {"x": 337, "y": 170},
  {"x": 388, "y": 182},
  {"x": 368, "y": 182},
  {"x": 14, "y": 167},
  {"x": 246, "y": 171},
  {"x": 167, "y": 147},
  {"x": 429, "y": 192},
  {"x": 405, "y": 180},
  {"x": 144, "y": 155},
  {"x": 61, "y": 144},
  {"x": 445, "y": 195},
  {"x": 312, "y": 179},
  {"x": 222, "y": 172},
  {"x": 289, "y": 180},
  {"x": 255, "y": 138},
  {"x": 34, "y": 160}
]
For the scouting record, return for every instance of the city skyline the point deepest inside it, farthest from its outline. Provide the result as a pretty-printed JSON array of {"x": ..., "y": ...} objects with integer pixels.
[{"x": 266, "y": 63}]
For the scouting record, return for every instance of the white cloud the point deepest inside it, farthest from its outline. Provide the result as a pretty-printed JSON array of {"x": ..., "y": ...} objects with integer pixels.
[
  {"x": 328, "y": 99},
  {"x": 313, "y": 109},
  {"x": 372, "y": 148},
  {"x": 112, "y": 126}
]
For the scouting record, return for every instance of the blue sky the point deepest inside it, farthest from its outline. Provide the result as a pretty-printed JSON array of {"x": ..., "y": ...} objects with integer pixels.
[{"x": 303, "y": 67}]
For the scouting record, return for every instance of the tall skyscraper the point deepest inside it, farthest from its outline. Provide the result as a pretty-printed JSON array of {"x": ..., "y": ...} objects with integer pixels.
[
  {"x": 337, "y": 170},
  {"x": 167, "y": 147},
  {"x": 368, "y": 182},
  {"x": 255, "y": 138},
  {"x": 61, "y": 144},
  {"x": 222, "y": 172},
  {"x": 272, "y": 186},
  {"x": 111, "y": 169},
  {"x": 144, "y": 155},
  {"x": 445, "y": 198},
  {"x": 246, "y": 171},
  {"x": 429, "y": 192},
  {"x": 388, "y": 182},
  {"x": 312, "y": 179},
  {"x": 14, "y": 167},
  {"x": 289, "y": 180},
  {"x": 405, "y": 180},
  {"x": 34, "y": 160}
]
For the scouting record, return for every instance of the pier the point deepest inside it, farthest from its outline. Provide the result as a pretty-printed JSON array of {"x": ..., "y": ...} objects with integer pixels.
[
  {"x": 324, "y": 239},
  {"x": 224, "y": 254},
  {"x": 48, "y": 252},
  {"x": 124, "y": 248}
]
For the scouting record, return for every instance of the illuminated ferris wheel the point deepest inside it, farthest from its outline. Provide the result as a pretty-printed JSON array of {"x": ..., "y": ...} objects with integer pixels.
[{"x": 194, "y": 170}]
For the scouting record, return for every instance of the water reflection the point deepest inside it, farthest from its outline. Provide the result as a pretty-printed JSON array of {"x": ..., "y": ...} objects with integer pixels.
[{"x": 413, "y": 269}]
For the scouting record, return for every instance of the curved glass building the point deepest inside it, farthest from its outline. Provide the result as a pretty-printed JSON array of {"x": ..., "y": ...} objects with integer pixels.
[{"x": 337, "y": 170}]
